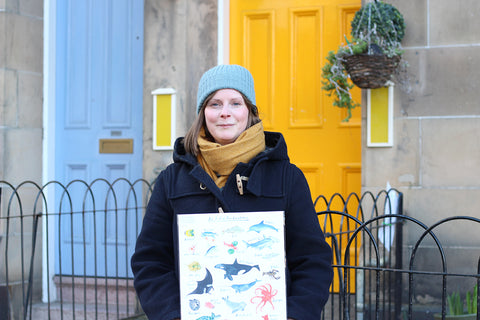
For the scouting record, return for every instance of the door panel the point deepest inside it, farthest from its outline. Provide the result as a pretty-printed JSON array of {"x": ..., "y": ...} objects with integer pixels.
[
  {"x": 284, "y": 45},
  {"x": 99, "y": 89}
]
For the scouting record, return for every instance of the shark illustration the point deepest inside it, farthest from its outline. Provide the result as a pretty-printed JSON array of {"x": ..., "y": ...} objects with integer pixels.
[
  {"x": 205, "y": 285},
  {"x": 234, "y": 229},
  {"x": 243, "y": 287},
  {"x": 259, "y": 227},
  {"x": 235, "y": 306},
  {"x": 234, "y": 269},
  {"x": 265, "y": 242}
]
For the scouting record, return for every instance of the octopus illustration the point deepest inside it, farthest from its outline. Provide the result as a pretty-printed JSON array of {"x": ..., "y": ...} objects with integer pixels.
[{"x": 264, "y": 294}]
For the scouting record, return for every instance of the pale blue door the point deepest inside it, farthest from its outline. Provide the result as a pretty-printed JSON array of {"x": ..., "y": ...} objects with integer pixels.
[{"x": 99, "y": 87}]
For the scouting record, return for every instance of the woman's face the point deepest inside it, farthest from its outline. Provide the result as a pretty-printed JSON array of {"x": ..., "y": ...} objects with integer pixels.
[{"x": 226, "y": 116}]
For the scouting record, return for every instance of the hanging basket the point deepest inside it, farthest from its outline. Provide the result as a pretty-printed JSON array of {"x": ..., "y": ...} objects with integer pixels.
[{"x": 370, "y": 71}]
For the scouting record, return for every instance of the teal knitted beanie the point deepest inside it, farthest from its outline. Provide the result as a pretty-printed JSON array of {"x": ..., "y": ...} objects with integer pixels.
[{"x": 225, "y": 76}]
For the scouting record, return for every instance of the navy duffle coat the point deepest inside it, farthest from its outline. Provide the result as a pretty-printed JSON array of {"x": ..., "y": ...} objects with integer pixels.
[{"x": 274, "y": 184}]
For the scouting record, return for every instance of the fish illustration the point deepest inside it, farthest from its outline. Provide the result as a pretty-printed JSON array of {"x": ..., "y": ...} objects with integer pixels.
[
  {"x": 209, "y": 234},
  {"x": 234, "y": 269},
  {"x": 261, "y": 226},
  {"x": 194, "y": 266},
  {"x": 190, "y": 233},
  {"x": 209, "y": 305},
  {"x": 211, "y": 317},
  {"x": 265, "y": 242},
  {"x": 205, "y": 285},
  {"x": 235, "y": 306},
  {"x": 243, "y": 287}
]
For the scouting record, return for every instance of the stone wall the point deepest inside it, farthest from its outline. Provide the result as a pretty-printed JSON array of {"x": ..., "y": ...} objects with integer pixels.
[
  {"x": 21, "y": 90},
  {"x": 180, "y": 44},
  {"x": 435, "y": 160}
]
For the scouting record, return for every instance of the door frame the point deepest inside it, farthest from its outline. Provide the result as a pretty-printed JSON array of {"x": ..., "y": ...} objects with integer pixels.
[
  {"x": 223, "y": 32},
  {"x": 48, "y": 143}
]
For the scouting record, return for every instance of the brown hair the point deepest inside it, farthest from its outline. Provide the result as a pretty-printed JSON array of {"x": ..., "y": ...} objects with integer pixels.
[{"x": 190, "y": 140}]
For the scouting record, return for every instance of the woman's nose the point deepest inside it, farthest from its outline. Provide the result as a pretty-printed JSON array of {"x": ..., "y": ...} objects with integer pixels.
[{"x": 225, "y": 112}]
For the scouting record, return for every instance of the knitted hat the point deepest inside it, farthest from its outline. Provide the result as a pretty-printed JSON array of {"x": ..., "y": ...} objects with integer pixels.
[{"x": 225, "y": 77}]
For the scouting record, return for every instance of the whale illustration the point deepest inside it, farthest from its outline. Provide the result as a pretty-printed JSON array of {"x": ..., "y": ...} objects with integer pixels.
[
  {"x": 234, "y": 269},
  {"x": 235, "y": 306},
  {"x": 260, "y": 244},
  {"x": 243, "y": 287}
]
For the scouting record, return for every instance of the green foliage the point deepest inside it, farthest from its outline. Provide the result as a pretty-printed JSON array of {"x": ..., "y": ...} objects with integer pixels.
[
  {"x": 472, "y": 301},
  {"x": 456, "y": 304},
  {"x": 377, "y": 26},
  {"x": 336, "y": 78},
  {"x": 379, "y": 21}
]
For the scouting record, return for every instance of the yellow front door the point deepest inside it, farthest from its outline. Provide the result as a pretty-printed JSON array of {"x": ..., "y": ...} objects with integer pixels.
[{"x": 284, "y": 44}]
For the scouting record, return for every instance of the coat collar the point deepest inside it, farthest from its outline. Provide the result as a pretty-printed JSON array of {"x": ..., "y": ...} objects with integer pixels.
[{"x": 276, "y": 150}]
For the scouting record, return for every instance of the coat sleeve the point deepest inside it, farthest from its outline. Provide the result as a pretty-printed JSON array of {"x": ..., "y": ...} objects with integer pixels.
[
  {"x": 153, "y": 262},
  {"x": 309, "y": 257}
]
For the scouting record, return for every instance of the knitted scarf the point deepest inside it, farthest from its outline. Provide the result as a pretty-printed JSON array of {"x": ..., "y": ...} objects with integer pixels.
[{"x": 219, "y": 161}]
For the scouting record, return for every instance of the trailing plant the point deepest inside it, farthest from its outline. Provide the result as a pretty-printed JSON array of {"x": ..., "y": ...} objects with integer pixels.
[
  {"x": 377, "y": 29},
  {"x": 336, "y": 78}
]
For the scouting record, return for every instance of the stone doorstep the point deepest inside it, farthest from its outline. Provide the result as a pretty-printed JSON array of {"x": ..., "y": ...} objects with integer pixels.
[
  {"x": 86, "y": 291},
  {"x": 86, "y": 312}
]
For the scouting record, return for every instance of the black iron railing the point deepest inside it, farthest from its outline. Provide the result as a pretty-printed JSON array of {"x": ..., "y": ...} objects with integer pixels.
[{"x": 65, "y": 251}]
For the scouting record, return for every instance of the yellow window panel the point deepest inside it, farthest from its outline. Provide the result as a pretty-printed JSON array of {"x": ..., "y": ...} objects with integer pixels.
[
  {"x": 380, "y": 117},
  {"x": 163, "y": 118}
]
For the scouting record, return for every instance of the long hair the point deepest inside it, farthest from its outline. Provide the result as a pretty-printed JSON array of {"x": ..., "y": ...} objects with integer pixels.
[{"x": 190, "y": 140}]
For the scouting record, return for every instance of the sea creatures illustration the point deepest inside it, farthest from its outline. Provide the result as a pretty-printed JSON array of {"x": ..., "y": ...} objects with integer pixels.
[
  {"x": 190, "y": 233},
  {"x": 234, "y": 269},
  {"x": 209, "y": 305},
  {"x": 210, "y": 250},
  {"x": 194, "y": 266},
  {"x": 272, "y": 273},
  {"x": 205, "y": 285},
  {"x": 235, "y": 306},
  {"x": 234, "y": 229},
  {"x": 210, "y": 317},
  {"x": 265, "y": 317},
  {"x": 209, "y": 234},
  {"x": 265, "y": 294},
  {"x": 194, "y": 304},
  {"x": 259, "y": 227},
  {"x": 263, "y": 243},
  {"x": 232, "y": 246},
  {"x": 243, "y": 287}
]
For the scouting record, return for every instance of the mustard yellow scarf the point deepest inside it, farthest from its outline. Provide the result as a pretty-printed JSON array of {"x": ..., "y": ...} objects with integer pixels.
[{"x": 219, "y": 161}]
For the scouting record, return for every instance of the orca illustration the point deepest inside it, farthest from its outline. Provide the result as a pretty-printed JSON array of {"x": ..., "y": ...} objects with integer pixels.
[
  {"x": 234, "y": 269},
  {"x": 205, "y": 285}
]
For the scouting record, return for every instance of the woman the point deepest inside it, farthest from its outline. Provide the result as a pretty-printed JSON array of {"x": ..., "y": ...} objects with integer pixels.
[{"x": 227, "y": 163}]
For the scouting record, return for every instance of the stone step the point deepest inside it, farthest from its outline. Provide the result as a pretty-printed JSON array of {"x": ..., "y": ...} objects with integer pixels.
[
  {"x": 91, "y": 290},
  {"x": 68, "y": 311}
]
